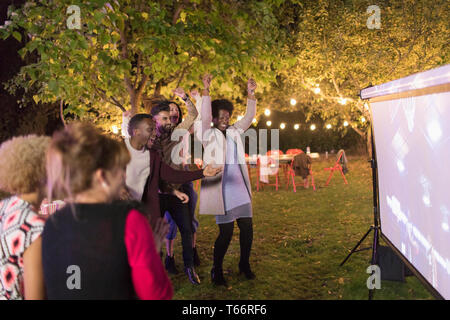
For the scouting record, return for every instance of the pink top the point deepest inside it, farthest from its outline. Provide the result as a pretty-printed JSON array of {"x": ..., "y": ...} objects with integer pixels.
[{"x": 150, "y": 280}]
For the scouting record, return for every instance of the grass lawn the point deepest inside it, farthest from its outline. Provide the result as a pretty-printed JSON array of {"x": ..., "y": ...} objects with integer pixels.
[{"x": 299, "y": 240}]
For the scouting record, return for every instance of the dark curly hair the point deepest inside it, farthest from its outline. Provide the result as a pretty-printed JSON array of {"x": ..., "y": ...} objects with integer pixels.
[
  {"x": 221, "y": 104},
  {"x": 135, "y": 121}
]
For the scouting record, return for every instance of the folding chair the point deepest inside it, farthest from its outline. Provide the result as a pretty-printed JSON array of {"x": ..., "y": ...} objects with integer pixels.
[
  {"x": 269, "y": 168},
  {"x": 294, "y": 151},
  {"x": 291, "y": 177},
  {"x": 337, "y": 166}
]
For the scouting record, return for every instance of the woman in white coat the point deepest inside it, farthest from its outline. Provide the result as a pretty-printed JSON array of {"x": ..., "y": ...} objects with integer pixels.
[{"x": 227, "y": 196}]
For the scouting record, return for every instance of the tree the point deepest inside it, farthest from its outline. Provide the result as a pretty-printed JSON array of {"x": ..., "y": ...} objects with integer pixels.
[
  {"x": 337, "y": 55},
  {"x": 128, "y": 50}
]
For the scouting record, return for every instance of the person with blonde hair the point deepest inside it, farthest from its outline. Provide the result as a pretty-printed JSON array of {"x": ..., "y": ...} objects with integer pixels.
[
  {"x": 22, "y": 174},
  {"x": 96, "y": 247}
]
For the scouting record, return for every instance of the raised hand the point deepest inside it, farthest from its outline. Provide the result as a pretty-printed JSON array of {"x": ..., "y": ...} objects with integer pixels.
[
  {"x": 209, "y": 171},
  {"x": 251, "y": 86},
  {"x": 207, "y": 78},
  {"x": 180, "y": 93},
  {"x": 195, "y": 94}
]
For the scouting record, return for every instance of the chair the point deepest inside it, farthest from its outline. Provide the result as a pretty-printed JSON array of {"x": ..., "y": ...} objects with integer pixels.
[
  {"x": 337, "y": 166},
  {"x": 268, "y": 166},
  {"x": 291, "y": 176},
  {"x": 294, "y": 151}
]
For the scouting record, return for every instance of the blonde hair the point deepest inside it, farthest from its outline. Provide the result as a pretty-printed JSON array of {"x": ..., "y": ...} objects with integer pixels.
[
  {"x": 75, "y": 153},
  {"x": 22, "y": 164}
]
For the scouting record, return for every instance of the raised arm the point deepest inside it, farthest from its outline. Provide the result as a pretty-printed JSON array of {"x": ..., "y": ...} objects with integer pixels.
[
  {"x": 206, "y": 112},
  {"x": 192, "y": 110},
  {"x": 126, "y": 116},
  {"x": 246, "y": 121}
]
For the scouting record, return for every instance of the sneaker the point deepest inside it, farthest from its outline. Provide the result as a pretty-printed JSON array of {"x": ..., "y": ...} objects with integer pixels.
[
  {"x": 196, "y": 257},
  {"x": 193, "y": 277},
  {"x": 170, "y": 265}
]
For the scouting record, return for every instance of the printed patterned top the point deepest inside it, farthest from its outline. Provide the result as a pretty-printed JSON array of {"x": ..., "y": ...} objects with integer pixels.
[{"x": 19, "y": 227}]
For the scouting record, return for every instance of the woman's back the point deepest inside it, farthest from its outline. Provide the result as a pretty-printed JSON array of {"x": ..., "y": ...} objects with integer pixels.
[{"x": 84, "y": 253}]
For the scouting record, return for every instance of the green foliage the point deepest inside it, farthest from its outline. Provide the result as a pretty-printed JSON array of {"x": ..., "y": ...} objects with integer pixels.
[
  {"x": 126, "y": 50},
  {"x": 336, "y": 51}
]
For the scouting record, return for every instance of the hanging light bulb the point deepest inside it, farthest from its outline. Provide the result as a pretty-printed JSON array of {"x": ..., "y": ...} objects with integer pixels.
[
  {"x": 296, "y": 126},
  {"x": 293, "y": 102},
  {"x": 313, "y": 127},
  {"x": 345, "y": 123},
  {"x": 239, "y": 118},
  {"x": 317, "y": 90},
  {"x": 267, "y": 112},
  {"x": 328, "y": 126},
  {"x": 269, "y": 123},
  {"x": 363, "y": 119},
  {"x": 254, "y": 120},
  {"x": 343, "y": 101},
  {"x": 115, "y": 129},
  {"x": 282, "y": 126}
]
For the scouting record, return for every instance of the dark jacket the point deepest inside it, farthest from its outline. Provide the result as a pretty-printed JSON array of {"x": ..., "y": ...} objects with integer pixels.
[
  {"x": 302, "y": 165},
  {"x": 161, "y": 171}
]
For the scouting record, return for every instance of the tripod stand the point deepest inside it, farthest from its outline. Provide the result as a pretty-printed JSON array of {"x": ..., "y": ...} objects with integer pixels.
[{"x": 375, "y": 227}]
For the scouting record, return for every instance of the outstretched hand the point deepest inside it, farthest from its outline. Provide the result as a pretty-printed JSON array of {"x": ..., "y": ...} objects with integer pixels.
[{"x": 209, "y": 171}]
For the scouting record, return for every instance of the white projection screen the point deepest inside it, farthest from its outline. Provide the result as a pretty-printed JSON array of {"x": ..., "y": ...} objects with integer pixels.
[{"x": 411, "y": 125}]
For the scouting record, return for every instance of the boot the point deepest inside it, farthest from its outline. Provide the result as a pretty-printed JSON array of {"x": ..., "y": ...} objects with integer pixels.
[
  {"x": 170, "y": 265},
  {"x": 217, "y": 277},
  {"x": 247, "y": 271},
  {"x": 193, "y": 277}
]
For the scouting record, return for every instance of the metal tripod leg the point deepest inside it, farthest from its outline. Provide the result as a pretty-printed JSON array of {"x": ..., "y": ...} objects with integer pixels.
[{"x": 357, "y": 245}]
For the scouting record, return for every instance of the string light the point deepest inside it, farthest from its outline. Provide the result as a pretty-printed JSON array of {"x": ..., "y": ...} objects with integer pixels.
[
  {"x": 239, "y": 118},
  {"x": 296, "y": 126},
  {"x": 317, "y": 90},
  {"x": 342, "y": 101},
  {"x": 345, "y": 123},
  {"x": 313, "y": 127},
  {"x": 293, "y": 102},
  {"x": 363, "y": 119},
  {"x": 282, "y": 126},
  {"x": 267, "y": 112},
  {"x": 115, "y": 129},
  {"x": 366, "y": 105},
  {"x": 254, "y": 120},
  {"x": 269, "y": 123},
  {"x": 328, "y": 126}
]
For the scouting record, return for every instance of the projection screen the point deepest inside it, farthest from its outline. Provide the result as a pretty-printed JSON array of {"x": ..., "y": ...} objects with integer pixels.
[{"x": 411, "y": 123}]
